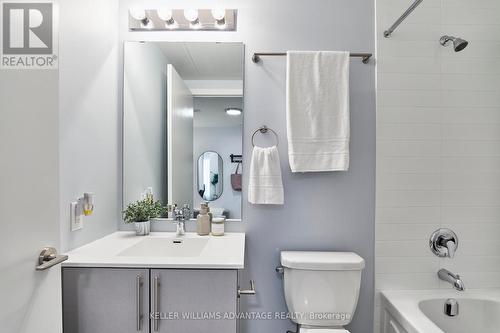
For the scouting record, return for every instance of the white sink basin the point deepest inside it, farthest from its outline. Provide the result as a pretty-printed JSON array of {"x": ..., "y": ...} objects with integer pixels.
[
  {"x": 161, "y": 250},
  {"x": 166, "y": 247}
]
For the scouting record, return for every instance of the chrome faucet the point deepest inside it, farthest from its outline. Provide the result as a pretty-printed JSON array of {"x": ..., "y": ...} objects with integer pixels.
[
  {"x": 180, "y": 217},
  {"x": 454, "y": 279},
  {"x": 444, "y": 243}
]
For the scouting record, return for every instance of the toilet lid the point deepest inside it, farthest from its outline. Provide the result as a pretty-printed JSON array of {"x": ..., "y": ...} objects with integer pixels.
[{"x": 322, "y": 261}]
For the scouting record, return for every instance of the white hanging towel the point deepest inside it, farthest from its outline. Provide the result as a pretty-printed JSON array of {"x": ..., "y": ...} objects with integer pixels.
[
  {"x": 265, "y": 185},
  {"x": 317, "y": 110}
]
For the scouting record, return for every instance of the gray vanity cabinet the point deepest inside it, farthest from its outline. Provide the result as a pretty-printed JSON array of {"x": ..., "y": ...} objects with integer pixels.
[
  {"x": 120, "y": 300},
  {"x": 105, "y": 300},
  {"x": 197, "y": 293}
]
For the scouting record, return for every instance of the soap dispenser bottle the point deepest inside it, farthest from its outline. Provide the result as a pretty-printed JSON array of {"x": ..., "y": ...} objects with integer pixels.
[{"x": 203, "y": 221}]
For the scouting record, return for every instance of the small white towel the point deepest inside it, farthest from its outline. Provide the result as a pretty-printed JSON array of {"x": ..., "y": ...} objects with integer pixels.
[
  {"x": 317, "y": 110},
  {"x": 265, "y": 185}
]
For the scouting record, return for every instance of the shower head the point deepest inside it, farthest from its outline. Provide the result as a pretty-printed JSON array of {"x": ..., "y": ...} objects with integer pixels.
[{"x": 458, "y": 43}]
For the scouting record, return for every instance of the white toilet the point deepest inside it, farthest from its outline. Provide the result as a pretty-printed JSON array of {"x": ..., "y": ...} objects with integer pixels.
[{"x": 321, "y": 289}]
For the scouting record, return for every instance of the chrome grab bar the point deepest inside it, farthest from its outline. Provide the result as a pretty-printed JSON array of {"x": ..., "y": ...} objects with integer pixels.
[
  {"x": 138, "y": 301},
  {"x": 156, "y": 301},
  {"x": 48, "y": 257}
]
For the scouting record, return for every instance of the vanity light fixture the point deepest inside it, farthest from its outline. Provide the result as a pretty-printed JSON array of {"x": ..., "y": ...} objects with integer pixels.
[
  {"x": 141, "y": 16},
  {"x": 165, "y": 14},
  {"x": 172, "y": 19},
  {"x": 233, "y": 111},
  {"x": 192, "y": 16},
  {"x": 220, "y": 17}
]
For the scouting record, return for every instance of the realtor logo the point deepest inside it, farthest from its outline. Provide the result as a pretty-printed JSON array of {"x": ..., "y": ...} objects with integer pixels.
[{"x": 28, "y": 36}]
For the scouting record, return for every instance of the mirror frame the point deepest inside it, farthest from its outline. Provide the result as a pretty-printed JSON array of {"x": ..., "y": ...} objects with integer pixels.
[{"x": 198, "y": 173}]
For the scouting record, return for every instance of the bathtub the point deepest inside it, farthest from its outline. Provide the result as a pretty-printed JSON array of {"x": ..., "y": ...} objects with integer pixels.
[{"x": 423, "y": 311}]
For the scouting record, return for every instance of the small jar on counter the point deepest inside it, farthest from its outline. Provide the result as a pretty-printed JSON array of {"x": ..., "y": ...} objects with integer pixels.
[{"x": 218, "y": 224}]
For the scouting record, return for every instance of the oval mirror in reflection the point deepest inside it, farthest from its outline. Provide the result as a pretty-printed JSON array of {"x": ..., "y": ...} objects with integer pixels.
[{"x": 210, "y": 176}]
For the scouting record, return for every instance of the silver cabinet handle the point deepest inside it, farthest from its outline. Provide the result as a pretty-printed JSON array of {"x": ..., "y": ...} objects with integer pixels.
[
  {"x": 138, "y": 301},
  {"x": 251, "y": 291},
  {"x": 156, "y": 302},
  {"x": 48, "y": 257}
]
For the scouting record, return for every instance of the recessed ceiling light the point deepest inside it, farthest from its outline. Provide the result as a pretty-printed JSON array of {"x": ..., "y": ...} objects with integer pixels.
[{"x": 233, "y": 111}]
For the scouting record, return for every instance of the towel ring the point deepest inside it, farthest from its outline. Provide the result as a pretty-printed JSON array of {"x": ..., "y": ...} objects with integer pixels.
[{"x": 264, "y": 129}]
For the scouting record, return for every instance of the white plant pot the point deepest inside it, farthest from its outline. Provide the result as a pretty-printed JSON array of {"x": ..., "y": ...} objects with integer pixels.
[{"x": 142, "y": 228}]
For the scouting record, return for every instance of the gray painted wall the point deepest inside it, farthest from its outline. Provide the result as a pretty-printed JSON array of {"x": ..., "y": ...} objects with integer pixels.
[
  {"x": 324, "y": 211},
  {"x": 88, "y": 116}
]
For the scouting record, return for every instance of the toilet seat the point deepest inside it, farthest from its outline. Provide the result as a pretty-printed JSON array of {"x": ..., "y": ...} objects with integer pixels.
[{"x": 322, "y": 330}]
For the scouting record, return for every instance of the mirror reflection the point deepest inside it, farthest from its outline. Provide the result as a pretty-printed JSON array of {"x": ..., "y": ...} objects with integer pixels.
[
  {"x": 183, "y": 120},
  {"x": 210, "y": 176}
]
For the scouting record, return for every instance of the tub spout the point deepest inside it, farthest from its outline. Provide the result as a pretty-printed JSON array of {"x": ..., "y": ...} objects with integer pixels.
[{"x": 454, "y": 279}]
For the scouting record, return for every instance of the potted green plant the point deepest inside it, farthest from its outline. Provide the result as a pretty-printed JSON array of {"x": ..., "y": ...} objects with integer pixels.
[{"x": 141, "y": 212}]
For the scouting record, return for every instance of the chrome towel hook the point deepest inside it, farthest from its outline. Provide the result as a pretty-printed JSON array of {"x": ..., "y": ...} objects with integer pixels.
[{"x": 264, "y": 129}]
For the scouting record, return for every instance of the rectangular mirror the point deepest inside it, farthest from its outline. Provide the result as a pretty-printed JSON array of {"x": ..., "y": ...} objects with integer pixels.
[{"x": 183, "y": 124}]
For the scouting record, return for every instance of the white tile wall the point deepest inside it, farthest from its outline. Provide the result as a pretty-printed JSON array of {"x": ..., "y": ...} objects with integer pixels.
[{"x": 438, "y": 144}]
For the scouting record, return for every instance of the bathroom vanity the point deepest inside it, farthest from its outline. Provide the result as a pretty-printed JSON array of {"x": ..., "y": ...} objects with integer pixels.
[{"x": 157, "y": 283}]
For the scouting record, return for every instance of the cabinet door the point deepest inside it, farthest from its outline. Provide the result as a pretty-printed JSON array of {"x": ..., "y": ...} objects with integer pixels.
[
  {"x": 197, "y": 294},
  {"x": 105, "y": 300}
]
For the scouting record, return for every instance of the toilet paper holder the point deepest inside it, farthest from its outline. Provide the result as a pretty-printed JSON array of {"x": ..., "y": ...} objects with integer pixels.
[{"x": 250, "y": 291}]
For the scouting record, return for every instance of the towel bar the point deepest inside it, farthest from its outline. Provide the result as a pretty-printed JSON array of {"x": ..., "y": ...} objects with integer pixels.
[
  {"x": 263, "y": 129},
  {"x": 256, "y": 56}
]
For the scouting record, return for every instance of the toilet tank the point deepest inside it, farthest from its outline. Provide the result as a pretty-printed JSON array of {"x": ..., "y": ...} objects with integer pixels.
[{"x": 321, "y": 288}]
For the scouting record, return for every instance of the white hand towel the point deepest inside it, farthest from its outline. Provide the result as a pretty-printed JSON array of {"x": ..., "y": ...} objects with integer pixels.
[
  {"x": 265, "y": 185},
  {"x": 317, "y": 111}
]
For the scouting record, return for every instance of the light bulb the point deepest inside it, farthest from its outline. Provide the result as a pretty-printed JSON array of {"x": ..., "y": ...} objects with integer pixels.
[
  {"x": 140, "y": 15},
  {"x": 165, "y": 14},
  {"x": 219, "y": 16},
  {"x": 191, "y": 15},
  {"x": 218, "y": 13},
  {"x": 137, "y": 13}
]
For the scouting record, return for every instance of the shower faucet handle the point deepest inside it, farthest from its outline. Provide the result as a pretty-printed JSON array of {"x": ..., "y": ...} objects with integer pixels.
[
  {"x": 451, "y": 247},
  {"x": 444, "y": 243}
]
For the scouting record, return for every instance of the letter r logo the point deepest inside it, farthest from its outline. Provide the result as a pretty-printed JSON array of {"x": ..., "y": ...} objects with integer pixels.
[{"x": 27, "y": 28}]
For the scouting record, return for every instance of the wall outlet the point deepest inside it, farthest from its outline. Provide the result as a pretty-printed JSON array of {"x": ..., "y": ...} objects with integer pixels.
[{"x": 76, "y": 218}]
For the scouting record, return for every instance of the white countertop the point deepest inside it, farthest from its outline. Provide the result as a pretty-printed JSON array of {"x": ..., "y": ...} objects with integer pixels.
[{"x": 220, "y": 252}]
